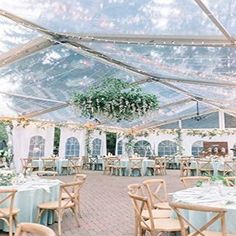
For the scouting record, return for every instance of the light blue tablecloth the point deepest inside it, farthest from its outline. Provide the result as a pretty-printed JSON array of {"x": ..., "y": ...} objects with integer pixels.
[
  {"x": 29, "y": 195},
  {"x": 59, "y": 164},
  {"x": 215, "y": 196}
]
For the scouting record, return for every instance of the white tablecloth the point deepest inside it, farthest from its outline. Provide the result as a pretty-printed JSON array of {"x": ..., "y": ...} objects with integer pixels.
[{"x": 217, "y": 196}]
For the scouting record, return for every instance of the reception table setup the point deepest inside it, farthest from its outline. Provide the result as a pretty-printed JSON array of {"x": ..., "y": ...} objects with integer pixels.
[
  {"x": 209, "y": 195},
  {"x": 30, "y": 192}
]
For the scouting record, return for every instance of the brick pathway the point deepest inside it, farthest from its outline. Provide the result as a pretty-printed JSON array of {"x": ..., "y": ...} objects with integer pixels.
[{"x": 105, "y": 206}]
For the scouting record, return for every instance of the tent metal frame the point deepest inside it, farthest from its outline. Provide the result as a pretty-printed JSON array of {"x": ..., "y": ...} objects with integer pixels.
[{"x": 74, "y": 42}]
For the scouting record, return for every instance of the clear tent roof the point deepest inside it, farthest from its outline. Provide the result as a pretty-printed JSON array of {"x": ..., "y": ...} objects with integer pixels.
[{"x": 180, "y": 51}]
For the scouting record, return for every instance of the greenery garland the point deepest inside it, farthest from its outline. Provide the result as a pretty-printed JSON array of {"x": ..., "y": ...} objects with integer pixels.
[{"x": 115, "y": 99}]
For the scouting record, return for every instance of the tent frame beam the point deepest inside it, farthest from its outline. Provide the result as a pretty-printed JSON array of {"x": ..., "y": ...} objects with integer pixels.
[
  {"x": 43, "y": 111},
  {"x": 165, "y": 40},
  {"x": 32, "y": 97},
  {"x": 215, "y": 21},
  {"x": 24, "y": 50}
]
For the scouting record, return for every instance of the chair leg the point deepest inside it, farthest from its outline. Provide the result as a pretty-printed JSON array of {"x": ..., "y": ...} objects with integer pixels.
[
  {"x": 10, "y": 226},
  {"x": 75, "y": 215},
  {"x": 59, "y": 225},
  {"x": 38, "y": 217}
]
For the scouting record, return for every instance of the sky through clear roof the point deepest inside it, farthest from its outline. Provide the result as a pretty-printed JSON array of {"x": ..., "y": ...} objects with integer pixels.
[{"x": 39, "y": 70}]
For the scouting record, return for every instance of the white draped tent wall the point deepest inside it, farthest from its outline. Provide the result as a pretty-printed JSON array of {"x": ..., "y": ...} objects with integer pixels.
[
  {"x": 67, "y": 133},
  {"x": 187, "y": 141},
  {"x": 97, "y": 134},
  {"x": 21, "y": 141}
]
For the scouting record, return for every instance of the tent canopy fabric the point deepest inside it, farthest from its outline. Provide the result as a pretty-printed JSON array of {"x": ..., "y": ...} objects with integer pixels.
[{"x": 182, "y": 52}]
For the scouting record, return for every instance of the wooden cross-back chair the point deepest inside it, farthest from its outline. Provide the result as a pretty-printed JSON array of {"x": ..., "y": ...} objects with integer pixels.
[
  {"x": 230, "y": 181},
  {"x": 115, "y": 165},
  {"x": 185, "y": 163},
  {"x": 191, "y": 181},
  {"x": 204, "y": 167},
  {"x": 229, "y": 168},
  {"x": 7, "y": 212},
  {"x": 27, "y": 229},
  {"x": 81, "y": 178},
  {"x": 135, "y": 163},
  {"x": 156, "y": 189},
  {"x": 26, "y": 165},
  {"x": 93, "y": 162},
  {"x": 217, "y": 214},
  {"x": 160, "y": 166},
  {"x": 106, "y": 167},
  {"x": 49, "y": 163},
  {"x": 60, "y": 206},
  {"x": 147, "y": 222},
  {"x": 138, "y": 189},
  {"x": 75, "y": 165}
]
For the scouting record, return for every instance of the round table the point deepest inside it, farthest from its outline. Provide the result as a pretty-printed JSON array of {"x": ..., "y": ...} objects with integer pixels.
[
  {"x": 29, "y": 195},
  {"x": 210, "y": 195}
]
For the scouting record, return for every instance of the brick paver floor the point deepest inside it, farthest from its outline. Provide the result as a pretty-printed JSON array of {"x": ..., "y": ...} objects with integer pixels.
[{"x": 105, "y": 206}]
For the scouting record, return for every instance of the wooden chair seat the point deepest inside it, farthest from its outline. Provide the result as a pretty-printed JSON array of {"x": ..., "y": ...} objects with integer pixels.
[
  {"x": 164, "y": 225},
  {"x": 162, "y": 205},
  {"x": 26, "y": 229},
  {"x": 55, "y": 204},
  {"x": 212, "y": 233},
  {"x": 6, "y": 211},
  {"x": 157, "y": 214}
]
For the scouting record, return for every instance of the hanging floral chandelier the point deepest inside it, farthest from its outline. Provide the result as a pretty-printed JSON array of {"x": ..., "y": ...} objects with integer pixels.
[{"x": 114, "y": 99}]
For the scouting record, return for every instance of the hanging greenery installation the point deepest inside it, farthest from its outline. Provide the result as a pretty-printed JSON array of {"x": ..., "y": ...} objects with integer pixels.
[{"x": 115, "y": 99}]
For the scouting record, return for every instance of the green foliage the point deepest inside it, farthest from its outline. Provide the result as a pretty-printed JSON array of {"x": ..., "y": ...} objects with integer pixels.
[
  {"x": 111, "y": 142},
  {"x": 115, "y": 99},
  {"x": 57, "y": 134},
  {"x": 3, "y": 132}
]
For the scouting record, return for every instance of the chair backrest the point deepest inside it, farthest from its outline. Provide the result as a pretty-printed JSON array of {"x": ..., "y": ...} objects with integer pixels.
[
  {"x": 229, "y": 167},
  {"x": 7, "y": 199},
  {"x": 191, "y": 181},
  {"x": 75, "y": 161},
  {"x": 218, "y": 214},
  {"x": 230, "y": 181},
  {"x": 71, "y": 190},
  {"x": 159, "y": 161},
  {"x": 184, "y": 162},
  {"x": 156, "y": 189},
  {"x": 136, "y": 189},
  {"x": 93, "y": 159},
  {"x": 80, "y": 177},
  {"x": 49, "y": 162},
  {"x": 135, "y": 163},
  {"x": 27, "y": 229},
  {"x": 112, "y": 160},
  {"x": 204, "y": 164},
  {"x": 141, "y": 203},
  {"x": 26, "y": 162}
]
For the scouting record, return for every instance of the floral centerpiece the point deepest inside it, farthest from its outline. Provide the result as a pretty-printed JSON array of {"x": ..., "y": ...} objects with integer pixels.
[
  {"x": 6, "y": 177},
  {"x": 115, "y": 99}
]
